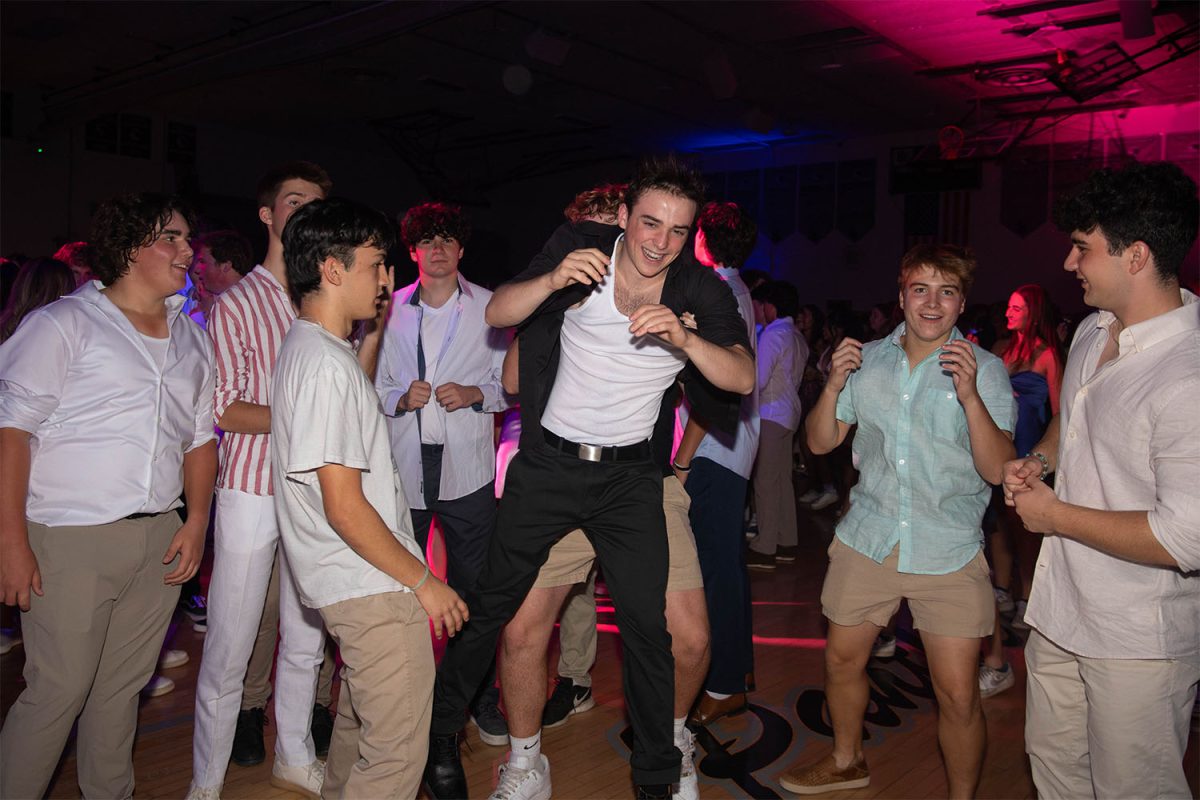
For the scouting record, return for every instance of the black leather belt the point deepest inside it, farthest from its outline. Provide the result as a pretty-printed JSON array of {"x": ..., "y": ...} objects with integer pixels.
[
  {"x": 140, "y": 515},
  {"x": 595, "y": 452}
]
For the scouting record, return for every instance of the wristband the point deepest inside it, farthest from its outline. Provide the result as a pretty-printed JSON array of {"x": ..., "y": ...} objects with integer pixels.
[
  {"x": 421, "y": 582},
  {"x": 1045, "y": 463},
  {"x": 680, "y": 467}
]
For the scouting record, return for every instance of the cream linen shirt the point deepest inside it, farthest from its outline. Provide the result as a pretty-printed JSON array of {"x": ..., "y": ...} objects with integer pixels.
[{"x": 1128, "y": 441}]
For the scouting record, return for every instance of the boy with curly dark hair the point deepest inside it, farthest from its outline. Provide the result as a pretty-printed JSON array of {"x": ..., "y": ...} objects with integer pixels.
[{"x": 105, "y": 420}]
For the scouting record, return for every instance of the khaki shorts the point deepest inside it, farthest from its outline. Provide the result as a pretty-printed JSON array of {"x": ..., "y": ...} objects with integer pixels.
[
  {"x": 571, "y": 559},
  {"x": 959, "y": 604}
]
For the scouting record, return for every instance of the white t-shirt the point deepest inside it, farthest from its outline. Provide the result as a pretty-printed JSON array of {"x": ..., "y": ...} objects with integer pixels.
[
  {"x": 610, "y": 383},
  {"x": 435, "y": 323},
  {"x": 325, "y": 411}
]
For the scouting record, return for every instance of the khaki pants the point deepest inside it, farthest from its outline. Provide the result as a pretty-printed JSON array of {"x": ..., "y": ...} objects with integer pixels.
[
  {"x": 774, "y": 493},
  {"x": 381, "y": 736},
  {"x": 1107, "y": 727},
  {"x": 257, "y": 689},
  {"x": 91, "y": 644}
]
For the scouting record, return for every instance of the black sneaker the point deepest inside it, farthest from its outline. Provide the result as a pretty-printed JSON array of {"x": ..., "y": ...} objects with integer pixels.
[
  {"x": 248, "y": 748},
  {"x": 654, "y": 792},
  {"x": 567, "y": 699},
  {"x": 786, "y": 555},
  {"x": 196, "y": 608},
  {"x": 444, "y": 777},
  {"x": 757, "y": 560},
  {"x": 493, "y": 727},
  {"x": 322, "y": 729}
]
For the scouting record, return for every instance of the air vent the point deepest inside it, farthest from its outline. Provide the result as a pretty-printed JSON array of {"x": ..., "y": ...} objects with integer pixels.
[{"x": 1012, "y": 77}]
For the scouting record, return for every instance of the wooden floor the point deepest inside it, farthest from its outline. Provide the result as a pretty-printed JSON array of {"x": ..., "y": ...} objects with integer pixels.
[{"x": 738, "y": 758}]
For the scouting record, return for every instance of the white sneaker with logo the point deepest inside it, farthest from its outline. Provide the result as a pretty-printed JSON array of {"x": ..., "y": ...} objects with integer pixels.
[
  {"x": 517, "y": 783},
  {"x": 688, "y": 787}
]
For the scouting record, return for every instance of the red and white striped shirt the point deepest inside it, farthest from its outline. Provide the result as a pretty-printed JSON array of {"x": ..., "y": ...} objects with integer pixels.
[{"x": 247, "y": 326}]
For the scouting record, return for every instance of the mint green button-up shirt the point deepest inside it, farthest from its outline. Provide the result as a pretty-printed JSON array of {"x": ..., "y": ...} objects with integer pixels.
[{"x": 918, "y": 487}]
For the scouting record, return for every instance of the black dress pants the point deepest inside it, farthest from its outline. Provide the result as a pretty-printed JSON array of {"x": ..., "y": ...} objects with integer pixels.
[{"x": 619, "y": 506}]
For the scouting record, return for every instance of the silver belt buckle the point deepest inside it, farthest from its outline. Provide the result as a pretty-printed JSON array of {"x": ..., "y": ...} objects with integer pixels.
[{"x": 590, "y": 452}]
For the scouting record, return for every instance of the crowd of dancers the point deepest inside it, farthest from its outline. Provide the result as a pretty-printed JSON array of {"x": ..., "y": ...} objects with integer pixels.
[{"x": 647, "y": 387}]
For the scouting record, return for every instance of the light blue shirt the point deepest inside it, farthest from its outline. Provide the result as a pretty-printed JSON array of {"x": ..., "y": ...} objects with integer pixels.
[
  {"x": 734, "y": 451},
  {"x": 918, "y": 486}
]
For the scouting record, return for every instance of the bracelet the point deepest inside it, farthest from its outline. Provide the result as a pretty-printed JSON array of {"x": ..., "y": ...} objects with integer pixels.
[
  {"x": 421, "y": 582},
  {"x": 1045, "y": 463},
  {"x": 680, "y": 467}
]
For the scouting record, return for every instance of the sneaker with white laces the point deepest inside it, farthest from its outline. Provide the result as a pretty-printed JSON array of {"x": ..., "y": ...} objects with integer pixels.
[
  {"x": 994, "y": 681},
  {"x": 158, "y": 686},
  {"x": 516, "y": 783},
  {"x": 688, "y": 787},
  {"x": 169, "y": 659},
  {"x": 1004, "y": 599},
  {"x": 203, "y": 793},
  {"x": 304, "y": 780}
]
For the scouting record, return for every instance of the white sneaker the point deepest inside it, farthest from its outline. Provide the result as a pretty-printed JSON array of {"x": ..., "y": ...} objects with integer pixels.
[
  {"x": 689, "y": 783},
  {"x": 523, "y": 784},
  {"x": 304, "y": 780},
  {"x": 994, "y": 681},
  {"x": 884, "y": 647},
  {"x": 825, "y": 500},
  {"x": 8, "y": 641},
  {"x": 201, "y": 793},
  {"x": 809, "y": 496},
  {"x": 158, "y": 686},
  {"x": 169, "y": 659}
]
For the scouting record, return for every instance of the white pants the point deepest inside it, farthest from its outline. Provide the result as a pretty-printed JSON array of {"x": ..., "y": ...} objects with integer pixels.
[
  {"x": 1107, "y": 727},
  {"x": 246, "y": 537}
]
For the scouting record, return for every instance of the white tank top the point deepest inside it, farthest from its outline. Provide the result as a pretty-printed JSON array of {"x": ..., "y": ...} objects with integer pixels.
[{"x": 610, "y": 383}]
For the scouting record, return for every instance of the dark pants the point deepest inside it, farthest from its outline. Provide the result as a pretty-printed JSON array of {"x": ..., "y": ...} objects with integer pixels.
[
  {"x": 718, "y": 497},
  {"x": 619, "y": 506},
  {"x": 467, "y": 524}
]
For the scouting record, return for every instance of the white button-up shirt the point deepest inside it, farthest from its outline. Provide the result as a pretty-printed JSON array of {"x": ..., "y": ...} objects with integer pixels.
[
  {"x": 109, "y": 423},
  {"x": 1128, "y": 442},
  {"x": 782, "y": 354},
  {"x": 734, "y": 452},
  {"x": 471, "y": 354}
]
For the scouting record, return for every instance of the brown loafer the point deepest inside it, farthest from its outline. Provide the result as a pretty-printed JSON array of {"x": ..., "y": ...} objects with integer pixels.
[{"x": 709, "y": 709}]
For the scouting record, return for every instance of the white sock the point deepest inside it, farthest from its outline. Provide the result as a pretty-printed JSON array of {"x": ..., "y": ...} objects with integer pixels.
[
  {"x": 679, "y": 723},
  {"x": 525, "y": 752},
  {"x": 718, "y": 695}
]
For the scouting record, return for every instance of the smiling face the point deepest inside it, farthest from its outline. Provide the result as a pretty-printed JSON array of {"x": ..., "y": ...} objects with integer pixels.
[
  {"x": 932, "y": 302},
  {"x": 437, "y": 256},
  {"x": 656, "y": 230},
  {"x": 1104, "y": 278},
  {"x": 1017, "y": 313},
  {"x": 162, "y": 263}
]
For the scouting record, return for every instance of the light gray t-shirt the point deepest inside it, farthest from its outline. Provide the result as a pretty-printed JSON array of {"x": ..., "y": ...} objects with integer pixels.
[{"x": 325, "y": 411}]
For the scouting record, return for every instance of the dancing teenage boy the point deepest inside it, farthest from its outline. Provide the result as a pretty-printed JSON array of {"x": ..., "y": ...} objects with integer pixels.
[
  {"x": 934, "y": 415},
  {"x": 602, "y": 342},
  {"x": 344, "y": 524}
]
